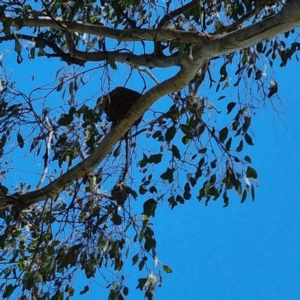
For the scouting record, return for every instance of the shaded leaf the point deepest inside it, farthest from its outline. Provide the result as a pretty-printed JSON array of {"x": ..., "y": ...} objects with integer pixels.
[
  {"x": 248, "y": 139},
  {"x": 85, "y": 290},
  {"x": 168, "y": 175},
  {"x": 244, "y": 196},
  {"x": 117, "y": 219},
  {"x": 9, "y": 290},
  {"x": 20, "y": 140},
  {"x": 175, "y": 151},
  {"x": 251, "y": 173},
  {"x": 239, "y": 148},
  {"x": 135, "y": 259},
  {"x": 150, "y": 207},
  {"x": 252, "y": 192},
  {"x": 230, "y": 107},
  {"x": 170, "y": 133},
  {"x": 155, "y": 158},
  {"x": 223, "y": 134},
  {"x": 248, "y": 159}
]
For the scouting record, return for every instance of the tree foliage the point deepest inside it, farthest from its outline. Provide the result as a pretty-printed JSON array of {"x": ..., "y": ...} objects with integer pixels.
[{"x": 203, "y": 68}]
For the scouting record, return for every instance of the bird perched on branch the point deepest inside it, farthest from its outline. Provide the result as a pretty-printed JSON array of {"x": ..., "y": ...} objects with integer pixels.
[{"x": 118, "y": 102}]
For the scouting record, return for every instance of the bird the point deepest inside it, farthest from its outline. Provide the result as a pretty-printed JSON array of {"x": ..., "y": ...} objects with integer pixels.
[{"x": 118, "y": 102}]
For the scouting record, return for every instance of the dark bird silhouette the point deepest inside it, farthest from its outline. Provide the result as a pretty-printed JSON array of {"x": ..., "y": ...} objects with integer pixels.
[{"x": 118, "y": 103}]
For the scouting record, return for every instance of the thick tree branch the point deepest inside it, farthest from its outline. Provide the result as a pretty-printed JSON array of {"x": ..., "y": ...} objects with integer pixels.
[
  {"x": 287, "y": 19},
  {"x": 147, "y": 60},
  {"x": 161, "y": 34}
]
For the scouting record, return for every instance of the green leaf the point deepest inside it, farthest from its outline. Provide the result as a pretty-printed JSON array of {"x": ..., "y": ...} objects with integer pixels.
[
  {"x": 170, "y": 133},
  {"x": 157, "y": 134},
  {"x": 155, "y": 158},
  {"x": 167, "y": 269},
  {"x": 18, "y": 45},
  {"x": 252, "y": 192},
  {"x": 142, "y": 190},
  {"x": 248, "y": 159},
  {"x": 150, "y": 207},
  {"x": 117, "y": 219},
  {"x": 228, "y": 144},
  {"x": 125, "y": 290},
  {"x": 85, "y": 290},
  {"x": 143, "y": 162},
  {"x": 223, "y": 73},
  {"x": 142, "y": 282},
  {"x": 179, "y": 199},
  {"x": 112, "y": 63},
  {"x": 221, "y": 98},
  {"x": 247, "y": 123},
  {"x": 65, "y": 119},
  {"x": 248, "y": 139},
  {"x": 175, "y": 152},
  {"x": 226, "y": 199},
  {"x": 223, "y": 134},
  {"x": 168, "y": 175},
  {"x": 20, "y": 140},
  {"x": 239, "y": 148},
  {"x": 230, "y": 107},
  {"x": 9, "y": 290},
  {"x": 251, "y": 173},
  {"x": 117, "y": 151},
  {"x": 135, "y": 259},
  {"x": 244, "y": 196},
  {"x": 153, "y": 189}
]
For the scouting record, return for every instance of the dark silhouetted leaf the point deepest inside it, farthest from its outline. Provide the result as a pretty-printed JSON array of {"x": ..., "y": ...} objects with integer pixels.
[
  {"x": 125, "y": 290},
  {"x": 252, "y": 192},
  {"x": 248, "y": 159},
  {"x": 142, "y": 282},
  {"x": 248, "y": 139},
  {"x": 135, "y": 259},
  {"x": 85, "y": 290},
  {"x": 20, "y": 140},
  {"x": 239, "y": 148},
  {"x": 251, "y": 173},
  {"x": 223, "y": 134},
  {"x": 117, "y": 219},
  {"x": 175, "y": 151},
  {"x": 168, "y": 175},
  {"x": 230, "y": 107},
  {"x": 155, "y": 158},
  {"x": 170, "y": 133},
  {"x": 65, "y": 119},
  {"x": 9, "y": 290},
  {"x": 150, "y": 207},
  {"x": 244, "y": 196},
  {"x": 228, "y": 144}
]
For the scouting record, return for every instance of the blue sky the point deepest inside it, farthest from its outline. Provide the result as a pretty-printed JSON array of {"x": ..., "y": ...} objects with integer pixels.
[{"x": 244, "y": 251}]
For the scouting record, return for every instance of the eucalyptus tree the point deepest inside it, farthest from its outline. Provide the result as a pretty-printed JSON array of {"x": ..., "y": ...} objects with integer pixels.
[{"x": 201, "y": 69}]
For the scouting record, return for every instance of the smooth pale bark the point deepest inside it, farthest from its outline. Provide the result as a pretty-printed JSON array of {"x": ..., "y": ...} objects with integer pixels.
[{"x": 206, "y": 48}]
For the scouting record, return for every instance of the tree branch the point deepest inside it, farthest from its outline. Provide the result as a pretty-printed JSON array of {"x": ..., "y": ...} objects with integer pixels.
[
  {"x": 168, "y": 17},
  {"x": 161, "y": 34},
  {"x": 147, "y": 60}
]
